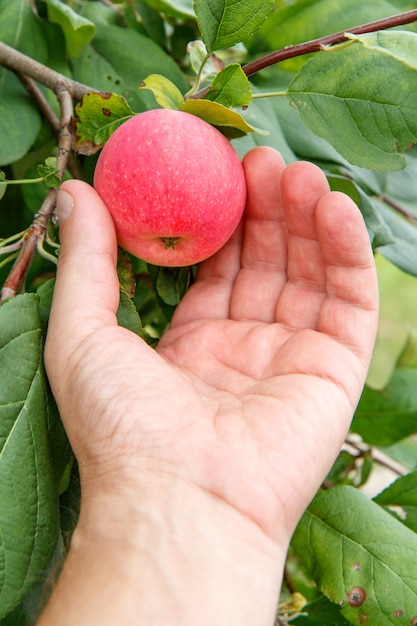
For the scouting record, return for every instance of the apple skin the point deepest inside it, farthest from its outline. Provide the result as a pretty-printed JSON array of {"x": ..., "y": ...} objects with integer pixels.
[{"x": 174, "y": 186}]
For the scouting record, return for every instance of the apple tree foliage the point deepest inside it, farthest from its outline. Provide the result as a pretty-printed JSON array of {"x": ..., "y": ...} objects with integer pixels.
[{"x": 293, "y": 74}]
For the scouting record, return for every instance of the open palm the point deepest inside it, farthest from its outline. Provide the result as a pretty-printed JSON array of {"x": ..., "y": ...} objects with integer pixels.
[{"x": 251, "y": 391}]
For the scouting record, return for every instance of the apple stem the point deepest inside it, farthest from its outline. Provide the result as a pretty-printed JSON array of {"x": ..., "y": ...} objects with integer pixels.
[{"x": 169, "y": 242}]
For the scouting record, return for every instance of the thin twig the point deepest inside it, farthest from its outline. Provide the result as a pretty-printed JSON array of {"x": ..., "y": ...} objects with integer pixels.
[
  {"x": 35, "y": 234},
  {"x": 385, "y": 461},
  {"x": 316, "y": 45},
  {"x": 36, "y": 231},
  {"x": 12, "y": 247},
  {"x": 411, "y": 217},
  {"x": 378, "y": 457},
  {"x": 49, "y": 115},
  {"x": 41, "y": 102}
]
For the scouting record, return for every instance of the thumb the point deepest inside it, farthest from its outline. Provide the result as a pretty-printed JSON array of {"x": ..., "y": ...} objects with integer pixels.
[{"x": 86, "y": 294}]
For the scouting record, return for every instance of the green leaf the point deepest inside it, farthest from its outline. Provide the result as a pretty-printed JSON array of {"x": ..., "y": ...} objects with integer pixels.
[
  {"x": 78, "y": 31},
  {"x": 400, "y": 45},
  {"x": 379, "y": 232},
  {"x": 399, "y": 186},
  {"x": 361, "y": 98},
  {"x": 28, "y": 493},
  {"x": 402, "y": 252},
  {"x": 98, "y": 116},
  {"x": 150, "y": 20},
  {"x": 385, "y": 200},
  {"x": 60, "y": 450},
  {"x": 177, "y": 8},
  {"x": 404, "y": 452},
  {"x": 263, "y": 113},
  {"x": 349, "y": 470},
  {"x": 305, "y": 20},
  {"x": 126, "y": 272},
  {"x": 231, "y": 87},
  {"x": 172, "y": 283},
  {"x": 49, "y": 171},
  {"x": 45, "y": 293},
  {"x": 119, "y": 59},
  {"x": 19, "y": 117},
  {"x": 401, "y": 497},
  {"x": 15, "y": 618},
  {"x": 408, "y": 356},
  {"x": 361, "y": 557},
  {"x": 3, "y": 185},
  {"x": 200, "y": 60},
  {"x": 304, "y": 143},
  {"x": 320, "y": 612},
  {"x": 165, "y": 92},
  {"x": 69, "y": 504},
  {"x": 20, "y": 28},
  {"x": 127, "y": 315},
  {"x": 223, "y": 23},
  {"x": 386, "y": 416},
  {"x": 99, "y": 12},
  {"x": 230, "y": 123}
]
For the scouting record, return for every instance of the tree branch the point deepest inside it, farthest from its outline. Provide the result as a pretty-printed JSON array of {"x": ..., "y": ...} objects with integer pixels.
[
  {"x": 17, "y": 62},
  {"x": 49, "y": 114},
  {"x": 315, "y": 45},
  {"x": 35, "y": 235},
  {"x": 41, "y": 102}
]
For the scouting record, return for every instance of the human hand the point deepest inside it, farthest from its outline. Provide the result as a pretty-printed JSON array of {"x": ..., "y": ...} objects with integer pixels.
[
  {"x": 198, "y": 458},
  {"x": 249, "y": 395}
]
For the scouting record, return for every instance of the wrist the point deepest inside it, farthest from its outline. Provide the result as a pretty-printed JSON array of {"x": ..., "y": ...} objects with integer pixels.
[{"x": 178, "y": 556}]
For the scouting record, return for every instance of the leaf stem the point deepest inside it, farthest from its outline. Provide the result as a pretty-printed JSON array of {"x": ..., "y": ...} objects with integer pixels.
[
  {"x": 5, "y": 242},
  {"x": 9, "y": 259},
  {"x": 44, "y": 253},
  {"x": 24, "y": 181},
  {"x": 269, "y": 94},
  {"x": 13, "y": 247},
  {"x": 197, "y": 81},
  {"x": 51, "y": 243}
]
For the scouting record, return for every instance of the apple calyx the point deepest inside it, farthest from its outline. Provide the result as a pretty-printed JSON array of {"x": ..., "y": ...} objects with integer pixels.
[{"x": 169, "y": 242}]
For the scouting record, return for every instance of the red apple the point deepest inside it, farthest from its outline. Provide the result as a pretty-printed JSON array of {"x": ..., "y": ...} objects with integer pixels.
[{"x": 174, "y": 186}]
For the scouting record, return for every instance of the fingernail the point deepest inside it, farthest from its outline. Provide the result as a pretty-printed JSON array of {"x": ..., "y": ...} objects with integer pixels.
[{"x": 64, "y": 205}]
